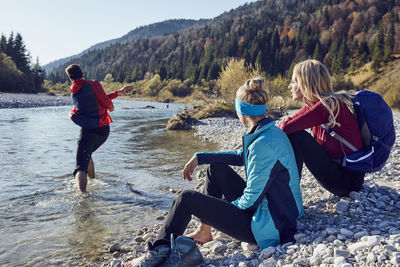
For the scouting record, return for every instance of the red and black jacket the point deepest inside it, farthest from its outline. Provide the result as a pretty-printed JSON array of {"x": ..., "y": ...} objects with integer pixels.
[{"x": 91, "y": 104}]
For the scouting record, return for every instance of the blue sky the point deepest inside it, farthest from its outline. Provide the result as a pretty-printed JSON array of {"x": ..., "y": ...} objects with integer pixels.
[{"x": 54, "y": 29}]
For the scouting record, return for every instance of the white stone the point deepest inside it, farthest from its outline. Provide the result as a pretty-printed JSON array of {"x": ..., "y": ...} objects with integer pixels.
[
  {"x": 268, "y": 263},
  {"x": 210, "y": 244},
  {"x": 395, "y": 261},
  {"x": 249, "y": 246},
  {"x": 339, "y": 260},
  {"x": 353, "y": 248},
  {"x": 371, "y": 257},
  {"x": 315, "y": 260}
]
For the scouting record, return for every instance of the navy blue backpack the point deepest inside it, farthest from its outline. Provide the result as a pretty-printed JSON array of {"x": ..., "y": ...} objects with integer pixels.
[{"x": 375, "y": 120}]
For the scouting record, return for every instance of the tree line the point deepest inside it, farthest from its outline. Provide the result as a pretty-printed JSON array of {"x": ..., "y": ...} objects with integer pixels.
[
  {"x": 17, "y": 71},
  {"x": 271, "y": 34}
]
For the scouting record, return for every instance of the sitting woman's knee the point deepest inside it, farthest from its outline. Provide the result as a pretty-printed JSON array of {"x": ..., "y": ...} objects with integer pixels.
[
  {"x": 186, "y": 195},
  {"x": 216, "y": 168}
]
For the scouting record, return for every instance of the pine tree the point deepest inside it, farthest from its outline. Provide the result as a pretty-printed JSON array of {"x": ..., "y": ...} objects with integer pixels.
[
  {"x": 389, "y": 43},
  {"x": 21, "y": 56},
  {"x": 363, "y": 51},
  {"x": 378, "y": 50},
  {"x": 214, "y": 71},
  {"x": 317, "y": 52},
  {"x": 259, "y": 59},
  {"x": 333, "y": 52},
  {"x": 342, "y": 59},
  {"x": 3, "y": 43},
  {"x": 38, "y": 74}
]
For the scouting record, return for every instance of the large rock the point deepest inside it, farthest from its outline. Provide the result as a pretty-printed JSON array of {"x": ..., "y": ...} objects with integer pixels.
[{"x": 181, "y": 121}]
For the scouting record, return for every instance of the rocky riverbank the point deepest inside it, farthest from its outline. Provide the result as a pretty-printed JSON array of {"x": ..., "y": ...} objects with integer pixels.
[
  {"x": 362, "y": 229},
  {"x": 10, "y": 100}
]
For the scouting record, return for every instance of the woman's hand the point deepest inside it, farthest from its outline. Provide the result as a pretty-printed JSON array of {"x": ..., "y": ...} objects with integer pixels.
[
  {"x": 189, "y": 168},
  {"x": 125, "y": 89}
]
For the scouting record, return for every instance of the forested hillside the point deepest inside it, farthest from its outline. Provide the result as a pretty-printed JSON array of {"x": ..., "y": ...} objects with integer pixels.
[
  {"x": 271, "y": 33},
  {"x": 143, "y": 32},
  {"x": 17, "y": 72}
]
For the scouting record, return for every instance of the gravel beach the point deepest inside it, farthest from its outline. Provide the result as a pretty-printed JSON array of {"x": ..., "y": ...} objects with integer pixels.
[
  {"x": 9, "y": 100},
  {"x": 362, "y": 229}
]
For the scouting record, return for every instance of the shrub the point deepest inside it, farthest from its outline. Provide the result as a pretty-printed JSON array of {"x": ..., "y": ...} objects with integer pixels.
[
  {"x": 178, "y": 88},
  {"x": 232, "y": 76},
  {"x": 165, "y": 96}
]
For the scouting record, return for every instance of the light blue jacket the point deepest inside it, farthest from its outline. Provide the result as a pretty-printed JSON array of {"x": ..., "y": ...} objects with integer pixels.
[{"x": 272, "y": 182}]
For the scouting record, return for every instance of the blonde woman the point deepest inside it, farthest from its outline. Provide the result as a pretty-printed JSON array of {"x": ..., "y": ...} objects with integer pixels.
[
  {"x": 263, "y": 209},
  {"x": 324, "y": 108}
]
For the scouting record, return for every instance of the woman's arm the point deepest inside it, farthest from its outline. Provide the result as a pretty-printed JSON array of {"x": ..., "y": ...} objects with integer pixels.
[
  {"x": 200, "y": 158},
  {"x": 306, "y": 118}
]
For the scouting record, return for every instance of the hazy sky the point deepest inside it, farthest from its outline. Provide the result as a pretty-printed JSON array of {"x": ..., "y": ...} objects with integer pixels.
[{"x": 54, "y": 29}]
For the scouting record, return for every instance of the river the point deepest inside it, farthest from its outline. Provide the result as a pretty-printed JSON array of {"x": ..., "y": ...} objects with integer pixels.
[{"x": 45, "y": 222}]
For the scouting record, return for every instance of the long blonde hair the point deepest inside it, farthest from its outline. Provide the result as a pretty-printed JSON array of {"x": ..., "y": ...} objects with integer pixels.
[
  {"x": 253, "y": 92},
  {"x": 315, "y": 84}
]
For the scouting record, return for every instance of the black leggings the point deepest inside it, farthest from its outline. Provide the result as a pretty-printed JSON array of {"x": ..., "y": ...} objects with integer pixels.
[
  {"x": 328, "y": 173},
  {"x": 88, "y": 142},
  {"x": 210, "y": 208}
]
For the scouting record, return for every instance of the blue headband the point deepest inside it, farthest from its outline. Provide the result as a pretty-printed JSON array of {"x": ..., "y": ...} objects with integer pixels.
[{"x": 247, "y": 109}]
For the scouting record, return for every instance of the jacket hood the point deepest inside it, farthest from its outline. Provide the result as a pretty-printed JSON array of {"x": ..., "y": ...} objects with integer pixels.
[{"x": 77, "y": 85}]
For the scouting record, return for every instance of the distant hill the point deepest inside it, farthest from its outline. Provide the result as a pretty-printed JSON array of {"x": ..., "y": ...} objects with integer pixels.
[
  {"x": 273, "y": 34},
  {"x": 143, "y": 32}
]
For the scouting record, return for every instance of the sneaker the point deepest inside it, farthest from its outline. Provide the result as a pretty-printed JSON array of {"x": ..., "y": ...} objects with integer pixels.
[
  {"x": 184, "y": 253},
  {"x": 157, "y": 253}
]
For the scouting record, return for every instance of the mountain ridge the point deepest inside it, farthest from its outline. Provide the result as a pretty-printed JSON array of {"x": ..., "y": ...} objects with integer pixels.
[{"x": 141, "y": 32}]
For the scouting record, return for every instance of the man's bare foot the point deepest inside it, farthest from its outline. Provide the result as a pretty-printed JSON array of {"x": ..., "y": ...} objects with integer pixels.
[{"x": 201, "y": 236}]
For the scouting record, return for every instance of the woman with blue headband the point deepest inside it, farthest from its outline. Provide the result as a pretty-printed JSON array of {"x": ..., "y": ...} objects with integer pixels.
[{"x": 261, "y": 209}]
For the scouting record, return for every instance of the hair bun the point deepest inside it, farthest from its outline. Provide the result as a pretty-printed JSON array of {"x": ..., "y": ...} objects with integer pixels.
[{"x": 256, "y": 83}]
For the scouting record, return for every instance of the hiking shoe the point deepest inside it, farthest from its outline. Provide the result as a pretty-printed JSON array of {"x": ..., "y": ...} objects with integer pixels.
[
  {"x": 157, "y": 253},
  {"x": 184, "y": 252}
]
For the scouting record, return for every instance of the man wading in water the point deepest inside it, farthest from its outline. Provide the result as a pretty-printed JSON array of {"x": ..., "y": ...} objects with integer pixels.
[{"x": 90, "y": 113}]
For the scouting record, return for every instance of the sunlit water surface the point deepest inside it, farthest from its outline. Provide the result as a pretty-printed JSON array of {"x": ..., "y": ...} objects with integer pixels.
[{"x": 44, "y": 221}]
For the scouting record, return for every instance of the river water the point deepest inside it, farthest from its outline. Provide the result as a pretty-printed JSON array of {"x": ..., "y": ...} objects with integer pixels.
[{"x": 45, "y": 222}]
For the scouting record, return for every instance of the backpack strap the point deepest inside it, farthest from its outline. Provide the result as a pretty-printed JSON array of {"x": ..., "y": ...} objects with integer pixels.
[{"x": 339, "y": 138}]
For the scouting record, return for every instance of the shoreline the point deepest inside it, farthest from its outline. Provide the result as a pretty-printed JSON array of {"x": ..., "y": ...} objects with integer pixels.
[
  {"x": 359, "y": 230},
  {"x": 24, "y": 100}
]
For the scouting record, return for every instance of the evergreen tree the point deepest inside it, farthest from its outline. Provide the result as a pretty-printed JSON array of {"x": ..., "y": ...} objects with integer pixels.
[
  {"x": 377, "y": 55},
  {"x": 21, "y": 56},
  {"x": 342, "y": 59},
  {"x": 317, "y": 52},
  {"x": 3, "y": 43},
  {"x": 363, "y": 51},
  {"x": 389, "y": 43},
  {"x": 38, "y": 74},
  {"x": 214, "y": 71},
  {"x": 259, "y": 59},
  {"x": 333, "y": 52}
]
